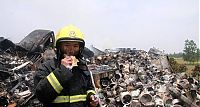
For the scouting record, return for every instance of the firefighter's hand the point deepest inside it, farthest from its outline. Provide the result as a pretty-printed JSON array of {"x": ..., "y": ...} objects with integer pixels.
[
  {"x": 67, "y": 61},
  {"x": 94, "y": 101}
]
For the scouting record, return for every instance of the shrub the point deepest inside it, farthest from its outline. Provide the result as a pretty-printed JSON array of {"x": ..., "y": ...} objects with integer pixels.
[
  {"x": 196, "y": 71},
  {"x": 177, "y": 68}
]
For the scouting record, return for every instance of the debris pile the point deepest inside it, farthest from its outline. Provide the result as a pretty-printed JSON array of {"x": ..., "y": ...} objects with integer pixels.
[
  {"x": 16, "y": 84},
  {"x": 141, "y": 79},
  {"x": 18, "y": 64}
]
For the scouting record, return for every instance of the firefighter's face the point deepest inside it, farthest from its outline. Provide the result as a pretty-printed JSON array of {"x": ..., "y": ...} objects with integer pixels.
[{"x": 70, "y": 48}]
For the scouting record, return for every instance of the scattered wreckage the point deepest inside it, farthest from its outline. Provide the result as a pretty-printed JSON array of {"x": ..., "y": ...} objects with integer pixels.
[
  {"x": 124, "y": 78},
  {"x": 18, "y": 64},
  {"x": 140, "y": 79}
]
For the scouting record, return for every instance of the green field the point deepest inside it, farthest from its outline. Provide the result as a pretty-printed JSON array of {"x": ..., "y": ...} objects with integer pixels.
[
  {"x": 181, "y": 61},
  {"x": 189, "y": 65}
]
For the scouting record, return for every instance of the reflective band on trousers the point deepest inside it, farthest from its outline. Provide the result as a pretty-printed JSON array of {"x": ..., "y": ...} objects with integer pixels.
[
  {"x": 69, "y": 99},
  {"x": 54, "y": 82}
]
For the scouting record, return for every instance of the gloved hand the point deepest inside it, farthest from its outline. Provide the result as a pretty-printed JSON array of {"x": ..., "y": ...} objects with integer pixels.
[
  {"x": 69, "y": 61},
  {"x": 94, "y": 101},
  {"x": 65, "y": 71}
]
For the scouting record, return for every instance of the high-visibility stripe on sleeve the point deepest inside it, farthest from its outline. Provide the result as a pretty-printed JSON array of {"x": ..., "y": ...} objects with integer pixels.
[
  {"x": 54, "y": 82},
  {"x": 91, "y": 91}
]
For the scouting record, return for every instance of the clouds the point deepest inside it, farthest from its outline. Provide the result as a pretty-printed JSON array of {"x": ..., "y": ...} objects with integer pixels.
[{"x": 107, "y": 23}]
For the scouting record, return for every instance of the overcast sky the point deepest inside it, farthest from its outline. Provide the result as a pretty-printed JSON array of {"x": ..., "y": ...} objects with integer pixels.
[{"x": 141, "y": 24}]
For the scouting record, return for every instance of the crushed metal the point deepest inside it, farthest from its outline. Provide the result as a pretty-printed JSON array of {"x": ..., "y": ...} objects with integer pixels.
[{"x": 136, "y": 78}]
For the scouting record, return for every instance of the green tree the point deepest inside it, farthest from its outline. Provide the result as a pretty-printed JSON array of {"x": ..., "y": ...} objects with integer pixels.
[{"x": 190, "y": 51}]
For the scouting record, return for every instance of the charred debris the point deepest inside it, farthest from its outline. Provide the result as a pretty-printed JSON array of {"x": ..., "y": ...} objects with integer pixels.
[
  {"x": 136, "y": 78},
  {"x": 18, "y": 63}
]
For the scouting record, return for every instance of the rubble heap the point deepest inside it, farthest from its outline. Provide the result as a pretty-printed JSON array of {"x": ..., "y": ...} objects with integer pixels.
[
  {"x": 16, "y": 81},
  {"x": 141, "y": 79},
  {"x": 18, "y": 63}
]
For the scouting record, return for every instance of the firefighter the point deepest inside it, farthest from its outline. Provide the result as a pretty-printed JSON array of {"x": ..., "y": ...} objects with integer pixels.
[{"x": 65, "y": 80}]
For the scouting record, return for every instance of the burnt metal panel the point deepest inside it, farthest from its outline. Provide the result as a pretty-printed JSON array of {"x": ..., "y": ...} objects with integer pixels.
[{"x": 37, "y": 41}]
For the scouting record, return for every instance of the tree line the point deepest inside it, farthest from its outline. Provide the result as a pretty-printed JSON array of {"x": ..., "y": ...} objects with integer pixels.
[{"x": 191, "y": 52}]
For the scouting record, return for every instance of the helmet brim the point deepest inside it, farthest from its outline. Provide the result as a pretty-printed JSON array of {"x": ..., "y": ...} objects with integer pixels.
[
  {"x": 64, "y": 40},
  {"x": 82, "y": 42}
]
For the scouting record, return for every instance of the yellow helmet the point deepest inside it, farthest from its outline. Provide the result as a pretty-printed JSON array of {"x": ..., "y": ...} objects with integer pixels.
[{"x": 69, "y": 33}]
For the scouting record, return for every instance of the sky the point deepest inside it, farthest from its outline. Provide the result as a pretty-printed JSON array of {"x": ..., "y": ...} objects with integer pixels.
[{"x": 140, "y": 24}]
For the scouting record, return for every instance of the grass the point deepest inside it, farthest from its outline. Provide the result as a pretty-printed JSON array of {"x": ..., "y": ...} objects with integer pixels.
[{"x": 181, "y": 61}]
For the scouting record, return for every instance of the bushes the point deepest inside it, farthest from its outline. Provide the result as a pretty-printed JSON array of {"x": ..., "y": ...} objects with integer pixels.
[
  {"x": 177, "y": 68},
  {"x": 196, "y": 71}
]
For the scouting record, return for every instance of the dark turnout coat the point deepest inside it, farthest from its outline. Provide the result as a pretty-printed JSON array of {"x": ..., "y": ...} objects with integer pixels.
[{"x": 63, "y": 87}]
